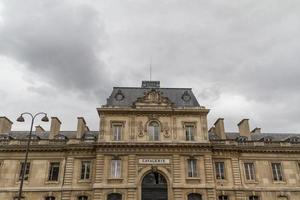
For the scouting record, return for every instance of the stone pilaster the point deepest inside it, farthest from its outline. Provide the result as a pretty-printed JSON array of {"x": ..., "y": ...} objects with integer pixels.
[
  {"x": 211, "y": 194},
  {"x": 66, "y": 195},
  {"x": 239, "y": 195},
  {"x": 98, "y": 195},
  {"x": 132, "y": 168},
  {"x": 99, "y": 168},
  {"x": 176, "y": 169},
  {"x": 209, "y": 173},
  {"x": 132, "y": 128},
  {"x": 131, "y": 194},
  {"x": 236, "y": 171},
  {"x": 177, "y": 194},
  {"x": 69, "y": 171}
]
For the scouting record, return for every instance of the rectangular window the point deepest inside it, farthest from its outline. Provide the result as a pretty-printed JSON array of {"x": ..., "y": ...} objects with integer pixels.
[
  {"x": 190, "y": 132},
  {"x": 253, "y": 198},
  {"x": 117, "y": 132},
  {"x": 50, "y": 198},
  {"x": 53, "y": 171},
  {"x": 115, "y": 168},
  {"x": 192, "y": 168},
  {"x": 223, "y": 197},
  {"x": 85, "y": 170},
  {"x": 249, "y": 171},
  {"x": 27, "y": 168},
  {"x": 277, "y": 172},
  {"x": 17, "y": 198},
  {"x": 220, "y": 170}
]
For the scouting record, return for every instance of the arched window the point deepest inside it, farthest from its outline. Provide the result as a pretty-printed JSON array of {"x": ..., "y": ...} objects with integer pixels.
[
  {"x": 114, "y": 196},
  {"x": 194, "y": 196},
  {"x": 154, "y": 131},
  {"x": 82, "y": 198},
  {"x": 50, "y": 198}
]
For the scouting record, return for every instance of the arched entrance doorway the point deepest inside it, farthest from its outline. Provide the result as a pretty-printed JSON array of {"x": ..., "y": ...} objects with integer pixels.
[{"x": 154, "y": 187}]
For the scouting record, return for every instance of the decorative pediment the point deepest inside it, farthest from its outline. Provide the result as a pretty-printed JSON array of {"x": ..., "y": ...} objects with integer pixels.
[{"x": 153, "y": 98}]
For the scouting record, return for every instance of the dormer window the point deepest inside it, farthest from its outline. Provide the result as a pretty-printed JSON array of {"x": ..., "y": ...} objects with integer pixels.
[
  {"x": 89, "y": 137},
  {"x": 186, "y": 96},
  {"x": 4, "y": 139},
  {"x": 266, "y": 139},
  {"x": 241, "y": 139},
  {"x": 154, "y": 131},
  {"x": 119, "y": 96},
  {"x": 33, "y": 137},
  {"x": 293, "y": 139},
  {"x": 60, "y": 137}
]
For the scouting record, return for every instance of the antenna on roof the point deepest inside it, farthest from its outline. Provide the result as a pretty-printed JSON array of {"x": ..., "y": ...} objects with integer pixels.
[{"x": 150, "y": 68}]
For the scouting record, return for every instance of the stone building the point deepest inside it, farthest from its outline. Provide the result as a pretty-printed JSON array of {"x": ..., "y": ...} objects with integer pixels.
[{"x": 153, "y": 144}]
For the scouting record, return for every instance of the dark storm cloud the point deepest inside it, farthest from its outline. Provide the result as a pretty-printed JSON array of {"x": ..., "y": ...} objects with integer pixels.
[
  {"x": 244, "y": 49},
  {"x": 240, "y": 57},
  {"x": 58, "y": 41}
]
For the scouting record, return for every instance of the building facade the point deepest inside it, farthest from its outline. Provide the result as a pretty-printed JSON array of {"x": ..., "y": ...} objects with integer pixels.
[{"x": 153, "y": 144}]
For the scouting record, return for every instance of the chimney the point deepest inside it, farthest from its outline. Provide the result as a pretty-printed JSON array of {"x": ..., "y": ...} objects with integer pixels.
[
  {"x": 5, "y": 125},
  {"x": 81, "y": 127},
  {"x": 55, "y": 127},
  {"x": 212, "y": 129},
  {"x": 219, "y": 128},
  {"x": 244, "y": 128},
  {"x": 256, "y": 130},
  {"x": 39, "y": 129}
]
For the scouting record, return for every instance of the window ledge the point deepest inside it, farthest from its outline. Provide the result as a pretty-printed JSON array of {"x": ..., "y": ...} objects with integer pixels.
[
  {"x": 24, "y": 182},
  {"x": 279, "y": 182},
  {"x": 221, "y": 180},
  {"x": 51, "y": 182},
  {"x": 115, "y": 178},
  {"x": 84, "y": 181},
  {"x": 193, "y": 178},
  {"x": 251, "y": 182}
]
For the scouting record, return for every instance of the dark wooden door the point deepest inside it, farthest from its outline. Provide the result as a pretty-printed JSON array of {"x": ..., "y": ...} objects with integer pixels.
[{"x": 154, "y": 187}]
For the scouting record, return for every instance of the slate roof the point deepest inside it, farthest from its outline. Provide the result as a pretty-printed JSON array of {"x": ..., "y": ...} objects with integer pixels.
[
  {"x": 132, "y": 93},
  {"x": 45, "y": 135},
  {"x": 259, "y": 136},
  {"x": 276, "y": 137}
]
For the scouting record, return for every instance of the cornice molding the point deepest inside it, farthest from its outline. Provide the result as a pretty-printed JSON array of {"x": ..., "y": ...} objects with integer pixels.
[{"x": 158, "y": 147}]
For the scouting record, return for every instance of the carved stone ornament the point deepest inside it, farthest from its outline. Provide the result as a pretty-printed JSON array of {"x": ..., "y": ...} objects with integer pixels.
[
  {"x": 166, "y": 130},
  {"x": 140, "y": 129},
  {"x": 153, "y": 98},
  {"x": 154, "y": 168}
]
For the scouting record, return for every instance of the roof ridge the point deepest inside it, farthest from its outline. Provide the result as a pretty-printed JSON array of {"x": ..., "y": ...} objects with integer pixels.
[{"x": 152, "y": 88}]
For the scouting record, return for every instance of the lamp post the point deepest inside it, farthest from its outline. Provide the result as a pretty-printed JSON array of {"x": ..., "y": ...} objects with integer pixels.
[{"x": 21, "y": 119}]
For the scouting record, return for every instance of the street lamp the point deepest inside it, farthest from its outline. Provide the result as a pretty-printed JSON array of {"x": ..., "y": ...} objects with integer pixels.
[{"x": 21, "y": 119}]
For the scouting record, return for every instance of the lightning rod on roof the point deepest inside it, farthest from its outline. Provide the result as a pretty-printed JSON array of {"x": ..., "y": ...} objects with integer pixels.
[{"x": 150, "y": 72}]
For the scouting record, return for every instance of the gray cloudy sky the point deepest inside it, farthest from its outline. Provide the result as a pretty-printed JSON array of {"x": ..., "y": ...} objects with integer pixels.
[{"x": 240, "y": 57}]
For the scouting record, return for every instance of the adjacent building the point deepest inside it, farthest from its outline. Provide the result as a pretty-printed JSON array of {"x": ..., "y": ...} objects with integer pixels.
[{"x": 153, "y": 143}]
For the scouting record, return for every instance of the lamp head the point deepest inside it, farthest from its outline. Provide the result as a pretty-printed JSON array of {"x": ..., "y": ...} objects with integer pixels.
[
  {"x": 20, "y": 119},
  {"x": 45, "y": 119}
]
